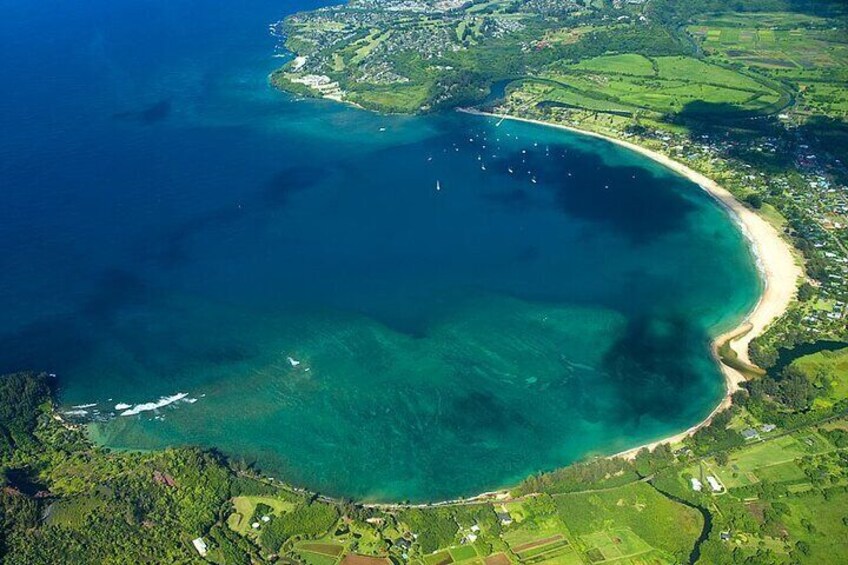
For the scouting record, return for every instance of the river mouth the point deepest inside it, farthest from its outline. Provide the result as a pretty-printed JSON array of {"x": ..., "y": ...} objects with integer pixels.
[{"x": 384, "y": 308}]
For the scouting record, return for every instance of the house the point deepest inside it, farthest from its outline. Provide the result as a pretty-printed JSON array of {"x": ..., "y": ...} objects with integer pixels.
[
  {"x": 504, "y": 517},
  {"x": 725, "y": 536},
  {"x": 714, "y": 484},
  {"x": 403, "y": 543},
  {"x": 696, "y": 485},
  {"x": 475, "y": 528},
  {"x": 200, "y": 546},
  {"x": 766, "y": 428},
  {"x": 750, "y": 433}
]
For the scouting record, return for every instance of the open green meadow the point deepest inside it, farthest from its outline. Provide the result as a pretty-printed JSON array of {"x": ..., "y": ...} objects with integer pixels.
[
  {"x": 820, "y": 523},
  {"x": 829, "y": 371},
  {"x": 654, "y": 520},
  {"x": 245, "y": 506},
  {"x": 633, "y": 83}
]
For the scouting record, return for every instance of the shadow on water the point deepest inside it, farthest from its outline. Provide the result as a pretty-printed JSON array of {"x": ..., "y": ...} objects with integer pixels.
[
  {"x": 650, "y": 369},
  {"x": 481, "y": 414},
  {"x": 118, "y": 313},
  {"x": 170, "y": 248},
  {"x": 284, "y": 184},
  {"x": 586, "y": 188},
  {"x": 150, "y": 115},
  {"x": 63, "y": 342}
]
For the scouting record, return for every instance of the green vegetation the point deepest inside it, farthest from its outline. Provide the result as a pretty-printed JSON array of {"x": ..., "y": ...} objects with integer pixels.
[
  {"x": 306, "y": 520},
  {"x": 828, "y": 373},
  {"x": 751, "y": 94}
]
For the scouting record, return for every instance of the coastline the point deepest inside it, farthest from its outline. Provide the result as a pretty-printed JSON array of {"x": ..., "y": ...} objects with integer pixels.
[{"x": 776, "y": 265}]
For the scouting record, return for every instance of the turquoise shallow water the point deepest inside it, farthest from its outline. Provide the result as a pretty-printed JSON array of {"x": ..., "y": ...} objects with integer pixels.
[{"x": 175, "y": 227}]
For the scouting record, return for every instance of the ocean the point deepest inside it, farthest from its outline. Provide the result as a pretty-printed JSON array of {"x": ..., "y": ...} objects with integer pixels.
[{"x": 376, "y": 307}]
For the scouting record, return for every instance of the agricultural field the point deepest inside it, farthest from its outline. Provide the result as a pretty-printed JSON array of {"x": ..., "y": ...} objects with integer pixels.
[
  {"x": 767, "y": 460},
  {"x": 619, "y": 546},
  {"x": 808, "y": 52},
  {"x": 654, "y": 520},
  {"x": 634, "y": 83}
]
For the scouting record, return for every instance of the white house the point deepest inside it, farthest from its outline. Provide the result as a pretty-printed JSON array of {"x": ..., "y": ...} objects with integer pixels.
[
  {"x": 200, "y": 546},
  {"x": 714, "y": 484}
]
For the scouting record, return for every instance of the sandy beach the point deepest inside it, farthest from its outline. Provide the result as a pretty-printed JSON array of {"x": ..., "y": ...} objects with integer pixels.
[{"x": 779, "y": 272}]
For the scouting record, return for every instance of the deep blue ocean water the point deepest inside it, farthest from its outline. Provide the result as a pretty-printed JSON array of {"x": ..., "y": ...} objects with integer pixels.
[{"x": 171, "y": 225}]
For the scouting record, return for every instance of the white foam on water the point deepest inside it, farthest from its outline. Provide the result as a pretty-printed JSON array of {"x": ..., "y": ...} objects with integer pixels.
[
  {"x": 122, "y": 406},
  {"x": 294, "y": 362},
  {"x": 148, "y": 406},
  {"x": 76, "y": 413},
  {"x": 83, "y": 406}
]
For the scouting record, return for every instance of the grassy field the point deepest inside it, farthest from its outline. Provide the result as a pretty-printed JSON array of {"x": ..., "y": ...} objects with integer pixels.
[
  {"x": 819, "y": 522},
  {"x": 244, "y": 506},
  {"x": 392, "y": 98},
  {"x": 808, "y": 52},
  {"x": 625, "y": 64},
  {"x": 312, "y": 558},
  {"x": 72, "y": 512},
  {"x": 639, "y": 508},
  {"x": 634, "y": 83},
  {"x": 744, "y": 465},
  {"x": 463, "y": 553},
  {"x": 829, "y": 371}
]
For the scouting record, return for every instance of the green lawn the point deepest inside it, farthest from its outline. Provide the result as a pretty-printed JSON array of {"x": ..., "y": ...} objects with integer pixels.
[
  {"x": 629, "y": 82},
  {"x": 244, "y": 506},
  {"x": 829, "y": 371},
  {"x": 625, "y": 63},
  {"x": 786, "y": 472},
  {"x": 463, "y": 552},
  {"x": 437, "y": 558},
  {"x": 658, "y": 521},
  {"x": 311, "y": 558}
]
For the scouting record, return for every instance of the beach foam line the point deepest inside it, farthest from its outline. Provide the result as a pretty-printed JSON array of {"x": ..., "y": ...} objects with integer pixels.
[
  {"x": 122, "y": 406},
  {"x": 84, "y": 406},
  {"x": 148, "y": 406}
]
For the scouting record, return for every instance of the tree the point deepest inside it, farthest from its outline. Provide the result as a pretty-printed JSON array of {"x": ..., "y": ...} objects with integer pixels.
[
  {"x": 806, "y": 292},
  {"x": 754, "y": 200},
  {"x": 796, "y": 390}
]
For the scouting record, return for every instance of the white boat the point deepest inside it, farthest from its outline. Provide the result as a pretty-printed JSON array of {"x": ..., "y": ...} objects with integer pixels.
[
  {"x": 482, "y": 167},
  {"x": 509, "y": 169},
  {"x": 438, "y": 186},
  {"x": 533, "y": 180}
]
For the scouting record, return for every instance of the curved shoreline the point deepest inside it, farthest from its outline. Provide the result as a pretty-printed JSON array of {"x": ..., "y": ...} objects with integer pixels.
[
  {"x": 777, "y": 270},
  {"x": 775, "y": 263}
]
